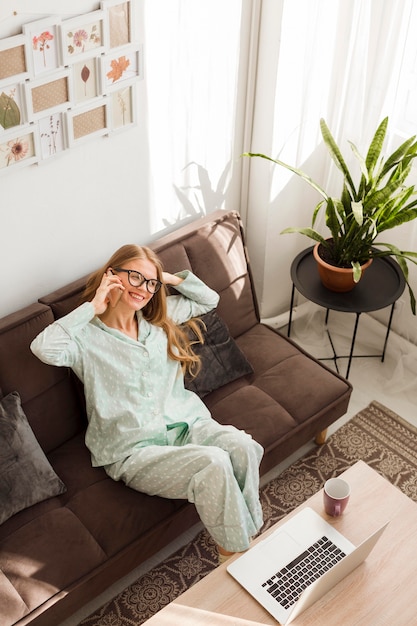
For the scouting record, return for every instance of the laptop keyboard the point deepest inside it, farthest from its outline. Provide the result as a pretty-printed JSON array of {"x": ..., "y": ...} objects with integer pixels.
[{"x": 287, "y": 585}]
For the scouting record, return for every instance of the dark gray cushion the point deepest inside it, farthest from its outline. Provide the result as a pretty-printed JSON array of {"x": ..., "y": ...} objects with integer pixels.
[
  {"x": 26, "y": 477},
  {"x": 222, "y": 361}
]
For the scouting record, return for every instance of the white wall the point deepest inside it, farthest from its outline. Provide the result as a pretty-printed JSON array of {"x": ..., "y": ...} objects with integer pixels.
[{"x": 62, "y": 219}]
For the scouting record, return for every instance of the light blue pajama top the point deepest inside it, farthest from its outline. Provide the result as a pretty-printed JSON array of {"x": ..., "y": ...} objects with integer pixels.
[{"x": 134, "y": 392}]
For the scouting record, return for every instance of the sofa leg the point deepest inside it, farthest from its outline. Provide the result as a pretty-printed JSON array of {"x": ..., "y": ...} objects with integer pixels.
[{"x": 321, "y": 437}]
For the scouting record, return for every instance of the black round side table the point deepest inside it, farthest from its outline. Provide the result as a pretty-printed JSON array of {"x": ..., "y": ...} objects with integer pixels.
[{"x": 380, "y": 286}]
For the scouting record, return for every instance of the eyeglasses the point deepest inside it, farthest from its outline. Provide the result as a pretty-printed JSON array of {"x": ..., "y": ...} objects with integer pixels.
[{"x": 136, "y": 279}]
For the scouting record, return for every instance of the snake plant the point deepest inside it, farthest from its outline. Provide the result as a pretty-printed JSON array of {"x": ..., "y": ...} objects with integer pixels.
[{"x": 378, "y": 202}]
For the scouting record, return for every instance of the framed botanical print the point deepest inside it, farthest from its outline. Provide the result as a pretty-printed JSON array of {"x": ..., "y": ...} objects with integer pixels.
[
  {"x": 82, "y": 35},
  {"x": 120, "y": 65},
  {"x": 86, "y": 79},
  {"x": 88, "y": 122},
  {"x": 123, "y": 109},
  {"x": 52, "y": 135},
  {"x": 13, "y": 59},
  {"x": 18, "y": 148},
  {"x": 119, "y": 22},
  {"x": 48, "y": 95},
  {"x": 44, "y": 53},
  {"x": 12, "y": 106},
  {"x": 66, "y": 81}
]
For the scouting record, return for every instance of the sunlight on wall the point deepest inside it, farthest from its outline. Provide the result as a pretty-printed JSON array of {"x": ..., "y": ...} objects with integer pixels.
[
  {"x": 302, "y": 68},
  {"x": 191, "y": 65}
]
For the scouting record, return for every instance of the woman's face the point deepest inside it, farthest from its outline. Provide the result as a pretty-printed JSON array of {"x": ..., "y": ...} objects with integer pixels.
[{"x": 136, "y": 297}]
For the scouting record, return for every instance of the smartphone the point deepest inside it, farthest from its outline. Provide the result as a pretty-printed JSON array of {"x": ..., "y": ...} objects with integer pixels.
[{"x": 114, "y": 294}]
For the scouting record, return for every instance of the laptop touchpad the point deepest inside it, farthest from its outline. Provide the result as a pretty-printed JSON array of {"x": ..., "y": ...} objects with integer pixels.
[{"x": 285, "y": 548}]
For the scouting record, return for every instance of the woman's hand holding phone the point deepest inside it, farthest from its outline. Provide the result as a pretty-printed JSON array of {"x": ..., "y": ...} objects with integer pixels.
[{"x": 109, "y": 292}]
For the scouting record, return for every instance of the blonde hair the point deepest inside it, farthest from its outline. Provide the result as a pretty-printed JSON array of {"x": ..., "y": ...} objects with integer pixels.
[{"x": 155, "y": 311}]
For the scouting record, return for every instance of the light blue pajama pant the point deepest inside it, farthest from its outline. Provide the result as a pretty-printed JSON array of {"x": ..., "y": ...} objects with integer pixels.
[{"x": 216, "y": 467}]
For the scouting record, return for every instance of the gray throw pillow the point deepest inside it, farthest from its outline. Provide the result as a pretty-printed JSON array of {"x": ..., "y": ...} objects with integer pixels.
[
  {"x": 26, "y": 477},
  {"x": 222, "y": 361}
]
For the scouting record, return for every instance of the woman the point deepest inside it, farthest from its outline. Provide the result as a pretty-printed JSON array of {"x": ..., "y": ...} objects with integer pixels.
[{"x": 144, "y": 427}]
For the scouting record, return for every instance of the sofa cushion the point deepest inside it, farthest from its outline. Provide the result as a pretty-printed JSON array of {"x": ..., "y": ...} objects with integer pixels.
[
  {"x": 46, "y": 556},
  {"x": 13, "y": 608},
  {"x": 26, "y": 477},
  {"x": 222, "y": 361},
  {"x": 91, "y": 495},
  {"x": 303, "y": 386},
  {"x": 283, "y": 400}
]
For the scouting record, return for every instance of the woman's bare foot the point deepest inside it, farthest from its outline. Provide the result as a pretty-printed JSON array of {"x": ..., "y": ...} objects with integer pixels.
[{"x": 224, "y": 554}]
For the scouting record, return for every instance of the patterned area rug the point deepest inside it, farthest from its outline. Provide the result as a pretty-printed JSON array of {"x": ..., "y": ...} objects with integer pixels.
[{"x": 376, "y": 435}]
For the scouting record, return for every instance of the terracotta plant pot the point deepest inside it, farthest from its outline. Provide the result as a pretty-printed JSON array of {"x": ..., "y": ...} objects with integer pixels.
[{"x": 334, "y": 278}]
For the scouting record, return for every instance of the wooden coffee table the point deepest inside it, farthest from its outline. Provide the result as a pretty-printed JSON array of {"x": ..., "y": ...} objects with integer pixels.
[{"x": 380, "y": 591}]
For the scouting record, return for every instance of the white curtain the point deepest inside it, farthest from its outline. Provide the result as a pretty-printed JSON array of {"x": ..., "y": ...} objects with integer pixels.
[
  {"x": 192, "y": 52},
  {"x": 345, "y": 61}
]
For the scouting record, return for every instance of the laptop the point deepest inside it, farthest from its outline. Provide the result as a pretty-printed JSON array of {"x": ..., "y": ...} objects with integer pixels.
[{"x": 297, "y": 564}]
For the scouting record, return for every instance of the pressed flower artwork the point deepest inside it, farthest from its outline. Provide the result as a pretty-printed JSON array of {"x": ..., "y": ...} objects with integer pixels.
[
  {"x": 44, "y": 51},
  {"x": 41, "y": 43},
  {"x": 44, "y": 44},
  {"x": 10, "y": 114},
  {"x": 85, "y": 80},
  {"x": 121, "y": 66},
  {"x": 65, "y": 80},
  {"x": 16, "y": 150},
  {"x": 122, "y": 113},
  {"x": 51, "y": 135},
  {"x": 83, "y": 39}
]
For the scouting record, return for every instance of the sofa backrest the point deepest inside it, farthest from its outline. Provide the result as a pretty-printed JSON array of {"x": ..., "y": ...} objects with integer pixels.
[
  {"x": 213, "y": 248},
  {"x": 49, "y": 395}
]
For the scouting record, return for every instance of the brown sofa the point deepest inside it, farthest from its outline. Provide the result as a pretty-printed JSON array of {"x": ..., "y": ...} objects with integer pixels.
[{"x": 57, "y": 554}]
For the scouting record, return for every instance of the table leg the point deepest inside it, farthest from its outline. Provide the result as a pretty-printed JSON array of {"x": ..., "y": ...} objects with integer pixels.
[
  {"x": 388, "y": 330},
  {"x": 291, "y": 306},
  {"x": 352, "y": 345}
]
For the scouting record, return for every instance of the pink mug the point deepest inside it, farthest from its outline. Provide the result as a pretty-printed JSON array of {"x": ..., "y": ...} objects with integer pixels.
[{"x": 336, "y": 496}]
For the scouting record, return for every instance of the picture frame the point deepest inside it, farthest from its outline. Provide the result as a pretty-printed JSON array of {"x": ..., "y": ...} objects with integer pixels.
[
  {"x": 123, "y": 107},
  {"x": 66, "y": 81},
  {"x": 52, "y": 136},
  {"x": 86, "y": 123},
  {"x": 122, "y": 64},
  {"x": 13, "y": 111},
  {"x": 119, "y": 22},
  {"x": 18, "y": 148},
  {"x": 82, "y": 35},
  {"x": 49, "y": 94},
  {"x": 86, "y": 80},
  {"x": 44, "y": 43},
  {"x": 13, "y": 59}
]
